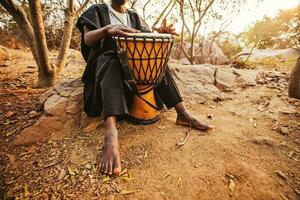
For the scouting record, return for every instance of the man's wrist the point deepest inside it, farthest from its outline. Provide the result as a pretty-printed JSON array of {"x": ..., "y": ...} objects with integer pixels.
[{"x": 106, "y": 30}]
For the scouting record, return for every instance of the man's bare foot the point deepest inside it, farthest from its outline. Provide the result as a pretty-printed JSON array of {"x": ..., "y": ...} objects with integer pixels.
[
  {"x": 186, "y": 119},
  {"x": 109, "y": 162}
]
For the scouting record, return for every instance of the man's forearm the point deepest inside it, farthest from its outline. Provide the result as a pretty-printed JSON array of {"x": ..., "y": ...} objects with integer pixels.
[{"x": 94, "y": 36}]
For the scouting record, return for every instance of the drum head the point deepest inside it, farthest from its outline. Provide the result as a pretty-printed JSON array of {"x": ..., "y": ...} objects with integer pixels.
[{"x": 145, "y": 36}]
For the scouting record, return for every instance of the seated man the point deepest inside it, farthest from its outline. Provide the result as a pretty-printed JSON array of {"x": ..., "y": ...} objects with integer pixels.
[{"x": 104, "y": 90}]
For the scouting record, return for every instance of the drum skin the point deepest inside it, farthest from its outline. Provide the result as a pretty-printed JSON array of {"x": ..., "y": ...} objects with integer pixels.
[{"x": 147, "y": 57}]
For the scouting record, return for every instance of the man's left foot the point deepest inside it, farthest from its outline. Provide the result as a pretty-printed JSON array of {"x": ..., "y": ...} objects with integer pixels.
[{"x": 186, "y": 119}]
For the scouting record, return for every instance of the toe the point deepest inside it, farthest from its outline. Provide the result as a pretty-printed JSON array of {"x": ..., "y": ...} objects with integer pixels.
[
  {"x": 106, "y": 168},
  {"x": 117, "y": 167},
  {"x": 102, "y": 167},
  {"x": 110, "y": 168}
]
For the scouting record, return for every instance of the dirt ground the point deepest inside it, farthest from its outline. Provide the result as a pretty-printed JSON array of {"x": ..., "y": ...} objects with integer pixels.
[{"x": 253, "y": 152}]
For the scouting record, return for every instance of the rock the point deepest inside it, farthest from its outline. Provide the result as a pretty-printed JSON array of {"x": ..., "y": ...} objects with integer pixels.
[
  {"x": 45, "y": 127},
  {"x": 43, "y": 98},
  {"x": 281, "y": 175},
  {"x": 197, "y": 73},
  {"x": 184, "y": 61},
  {"x": 74, "y": 54},
  {"x": 92, "y": 125},
  {"x": 203, "y": 54},
  {"x": 267, "y": 53},
  {"x": 12, "y": 161},
  {"x": 246, "y": 77},
  {"x": 264, "y": 140},
  {"x": 5, "y": 54},
  {"x": 88, "y": 166},
  {"x": 5, "y": 63},
  {"x": 231, "y": 185},
  {"x": 9, "y": 114},
  {"x": 62, "y": 106},
  {"x": 33, "y": 114},
  {"x": 225, "y": 78},
  {"x": 197, "y": 81},
  {"x": 55, "y": 105},
  {"x": 284, "y": 130}
]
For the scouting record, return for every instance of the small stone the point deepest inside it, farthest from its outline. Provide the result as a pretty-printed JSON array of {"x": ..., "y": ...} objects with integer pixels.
[
  {"x": 9, "y": 114},
  {"x": 281, "y": 175},
  {"x": 263, "y": 140},
  {"x": 91, "y": 126},
  {"x": 33, "y": 114},
  {"x": 291, "y": 154},
  {"x": 231, "y": 185},
  {"x": 284, "y": 130},
  {"x": 88, "y": 166}
]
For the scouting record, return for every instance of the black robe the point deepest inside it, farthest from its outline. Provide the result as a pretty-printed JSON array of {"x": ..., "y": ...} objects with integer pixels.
[{"x": 104, "y": 91}]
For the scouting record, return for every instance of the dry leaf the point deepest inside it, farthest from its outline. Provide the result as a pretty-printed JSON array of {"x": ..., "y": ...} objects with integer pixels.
[
  {"x": 106, "y": 179},
  {"x": 71, "y": 171},
  {"x": 26, "y": 192},
  {"x": 124, "y": 171},
  {"x": 127, "y": 179},
  {"x": 124, "y": 192}
]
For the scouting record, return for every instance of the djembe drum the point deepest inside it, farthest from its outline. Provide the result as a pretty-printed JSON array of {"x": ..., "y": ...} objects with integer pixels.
[{"x": 147, "y": 55}]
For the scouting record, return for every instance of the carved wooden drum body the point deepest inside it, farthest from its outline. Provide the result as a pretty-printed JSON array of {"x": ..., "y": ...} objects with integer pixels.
[{"x": 147, "y": 54}]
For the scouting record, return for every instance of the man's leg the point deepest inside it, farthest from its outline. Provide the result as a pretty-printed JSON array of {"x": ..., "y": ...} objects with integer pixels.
[
  {"x": 114, "y": 104},
  {"x": 170, "y": 95},
  {"x": 110, "y": 161}
]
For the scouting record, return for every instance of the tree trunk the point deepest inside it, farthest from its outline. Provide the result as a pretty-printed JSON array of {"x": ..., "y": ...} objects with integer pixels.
[
  {"x": 294, "y": 85},
  {"x": 46, "y": 71},
  {"x": 61, "y": 59},
  {"x": 20, "y": 18}
]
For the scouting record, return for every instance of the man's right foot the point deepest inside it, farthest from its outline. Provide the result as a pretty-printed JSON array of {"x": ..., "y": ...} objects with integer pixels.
[{"x": 109, "y": 162}]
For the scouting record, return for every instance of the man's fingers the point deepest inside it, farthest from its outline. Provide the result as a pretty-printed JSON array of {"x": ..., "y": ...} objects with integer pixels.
[
  {"x": 164, "y": 22},
  {"x": 129, "y": 30},
  {"x": 156, "y": 29},
  {"x": 119, "y": 32}
]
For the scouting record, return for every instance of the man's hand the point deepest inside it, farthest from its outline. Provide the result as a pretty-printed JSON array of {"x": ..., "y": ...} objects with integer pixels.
[
  {"x": 165, "y": 29},
  {"x": 113, "y": 30}
]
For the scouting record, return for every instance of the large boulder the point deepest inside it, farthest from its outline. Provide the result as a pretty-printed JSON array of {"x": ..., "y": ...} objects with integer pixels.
[
  {"x": 62, "y": 114},
  {"x": 225, "y": 78},
  {"x": 204, "y": 53},
  {"x": 197, "y": 81}
]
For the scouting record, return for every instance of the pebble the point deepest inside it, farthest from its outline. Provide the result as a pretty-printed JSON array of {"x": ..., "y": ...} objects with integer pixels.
[
  {"x": 88, "y": 166},
  {"x": 9, "y": 114},
  {"x": 284, "y": 130},
  {"x": 231, "y": 185},
  {"x": 281, "y": 175}
]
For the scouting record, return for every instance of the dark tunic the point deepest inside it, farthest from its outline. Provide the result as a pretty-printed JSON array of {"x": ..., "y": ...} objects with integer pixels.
[{"x": 104, "y": 89}]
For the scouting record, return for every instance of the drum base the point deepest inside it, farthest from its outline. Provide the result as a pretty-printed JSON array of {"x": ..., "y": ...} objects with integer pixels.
[
  {"x": 141, "y": 112},
  {"x": 141, "y": 121}
]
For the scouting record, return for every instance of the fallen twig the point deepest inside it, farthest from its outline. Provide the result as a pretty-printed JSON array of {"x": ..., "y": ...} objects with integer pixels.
[{"x": 186, "y": 137}]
